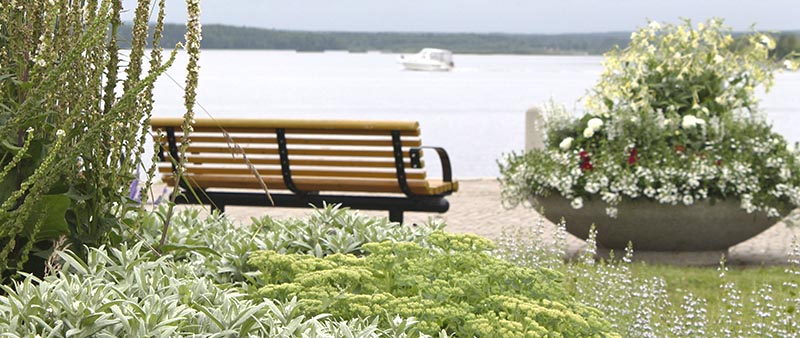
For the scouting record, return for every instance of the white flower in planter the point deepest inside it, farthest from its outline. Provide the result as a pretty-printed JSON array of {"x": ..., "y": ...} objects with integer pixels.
[
  {"x": 566, "y": 143},
  {"x": 588, "y": 132},
  {"x": 690, "y": 121},
  {"x": 595, "y": 124}
]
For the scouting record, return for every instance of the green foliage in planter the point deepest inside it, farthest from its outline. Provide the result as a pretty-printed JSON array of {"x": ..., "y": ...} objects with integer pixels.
[
  {"x": 454, "y": 284},
  {"x": 69, "y": 138},
  {"x": 673, "y": 118}
]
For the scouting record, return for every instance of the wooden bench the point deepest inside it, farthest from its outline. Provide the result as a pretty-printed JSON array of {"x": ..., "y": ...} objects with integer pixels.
[{"x": 371, "y": 165}]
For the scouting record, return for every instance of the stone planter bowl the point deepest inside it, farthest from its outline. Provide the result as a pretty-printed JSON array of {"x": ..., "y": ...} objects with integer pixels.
[{"x": 653, "y": 226}]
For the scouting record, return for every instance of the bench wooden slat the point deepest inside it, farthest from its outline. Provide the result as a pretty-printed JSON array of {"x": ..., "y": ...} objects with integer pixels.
[
  {"x": 299, "y": 140},
  {"x": 288, "y": 124},
  {"x": 296, "y": 151},
  {"x": 365, "y": 162},
  {"x": 296, "y": 173},
  {"x": 302, "y": 131},
  {"x": 421, "y": 187}
]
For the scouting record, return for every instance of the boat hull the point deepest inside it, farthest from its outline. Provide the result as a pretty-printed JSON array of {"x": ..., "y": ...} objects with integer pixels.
[{"x": 426, "y": 67}]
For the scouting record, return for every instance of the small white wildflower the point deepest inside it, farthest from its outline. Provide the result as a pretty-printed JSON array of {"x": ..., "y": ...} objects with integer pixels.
[
  {"x": 718, "y": 58},
  {"x": 588, "y": 132},
  {"x": 566, "y": 143},
  {"x": 595, "y": 124},
  {"x": 60, "y": 133},
  {"x": 577, "y": 203},
  {"x": 688, "y": 200},
  {"x": 654, "y": 25}
]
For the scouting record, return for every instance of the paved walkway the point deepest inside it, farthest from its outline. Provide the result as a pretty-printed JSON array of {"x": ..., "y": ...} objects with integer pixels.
[{"x": 476, "y": 208}]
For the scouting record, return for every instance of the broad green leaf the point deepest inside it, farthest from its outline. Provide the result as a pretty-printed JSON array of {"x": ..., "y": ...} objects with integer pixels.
[
  {"x": 9, "y": 147},
  {"x": 53, "y": 208}
]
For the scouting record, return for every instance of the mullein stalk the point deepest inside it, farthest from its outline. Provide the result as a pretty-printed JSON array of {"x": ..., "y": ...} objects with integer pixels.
[
  {"x": 193, "y": 36},
  {"x": 147, "y": 100}
]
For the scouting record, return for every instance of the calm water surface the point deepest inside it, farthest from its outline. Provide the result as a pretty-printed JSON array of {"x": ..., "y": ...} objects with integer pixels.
[{"x": 476, "y": 112}]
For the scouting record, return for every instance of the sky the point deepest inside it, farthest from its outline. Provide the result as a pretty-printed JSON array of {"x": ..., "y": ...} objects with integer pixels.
[{"x": 483, "y": 16}]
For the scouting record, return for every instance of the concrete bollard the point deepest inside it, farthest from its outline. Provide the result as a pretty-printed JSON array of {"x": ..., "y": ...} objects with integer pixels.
[{"x": 534, "y": 129}]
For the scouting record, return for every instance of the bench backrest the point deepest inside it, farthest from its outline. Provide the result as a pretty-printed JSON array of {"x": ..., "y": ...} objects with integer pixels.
[{"x": 298, "y": 155}]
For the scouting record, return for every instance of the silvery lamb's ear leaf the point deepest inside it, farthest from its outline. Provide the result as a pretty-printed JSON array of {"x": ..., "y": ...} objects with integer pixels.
[
  {"x": 72, "y": 261},
  {"x": 178, "y": 248}
]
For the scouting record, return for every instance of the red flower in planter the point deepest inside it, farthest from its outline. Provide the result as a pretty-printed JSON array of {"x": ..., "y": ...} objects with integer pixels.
[
  {"x": 680, "y": 149},
  {"x": 632, "y": 157},
  {"x": 719, "y": 162},
  {"x": 585, "y": 161}
]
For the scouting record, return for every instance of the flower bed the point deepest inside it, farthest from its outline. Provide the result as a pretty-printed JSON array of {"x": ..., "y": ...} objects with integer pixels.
[{"x": 444, "y": 281}]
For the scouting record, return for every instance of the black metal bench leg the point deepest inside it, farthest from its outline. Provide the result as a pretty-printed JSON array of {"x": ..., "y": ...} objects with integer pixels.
[
  {"x": 220, "y": 207},
  {"x": 396, "y": 216}
]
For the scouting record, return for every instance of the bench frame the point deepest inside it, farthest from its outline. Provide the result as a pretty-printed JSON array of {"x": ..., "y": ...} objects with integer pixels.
[{"x": 396, "y": 205}]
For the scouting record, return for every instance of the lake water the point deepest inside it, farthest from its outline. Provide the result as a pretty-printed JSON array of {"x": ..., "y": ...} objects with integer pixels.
[{"x": 476, "y": 112}]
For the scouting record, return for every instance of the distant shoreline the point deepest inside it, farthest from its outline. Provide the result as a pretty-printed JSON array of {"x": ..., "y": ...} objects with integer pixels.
[{"x": 248, "y": 38}]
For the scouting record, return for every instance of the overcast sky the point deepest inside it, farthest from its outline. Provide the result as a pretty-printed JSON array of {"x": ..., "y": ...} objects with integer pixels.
[{"x": 506, "y": 16}]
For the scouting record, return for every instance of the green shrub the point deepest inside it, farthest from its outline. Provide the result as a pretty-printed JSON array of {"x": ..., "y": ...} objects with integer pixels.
[
  {"x": 132, "y": 291},
  {"x": 218, "y": 248},
  {"x": 453, "y": 284}
]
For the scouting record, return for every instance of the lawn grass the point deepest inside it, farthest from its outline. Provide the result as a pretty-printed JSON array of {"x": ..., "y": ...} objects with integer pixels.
[{"x": 705, "y": 282}]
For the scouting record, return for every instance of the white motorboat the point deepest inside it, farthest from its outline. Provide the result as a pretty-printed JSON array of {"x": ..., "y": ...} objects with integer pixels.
[{"x": 428, "y": 59}]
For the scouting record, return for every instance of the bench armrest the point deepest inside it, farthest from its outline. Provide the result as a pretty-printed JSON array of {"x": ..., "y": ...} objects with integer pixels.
[{"x": 447, "y": 173}]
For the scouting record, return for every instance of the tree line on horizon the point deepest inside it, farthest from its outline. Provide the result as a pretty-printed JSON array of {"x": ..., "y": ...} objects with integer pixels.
[{"x": 231, "y": 37}]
